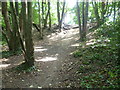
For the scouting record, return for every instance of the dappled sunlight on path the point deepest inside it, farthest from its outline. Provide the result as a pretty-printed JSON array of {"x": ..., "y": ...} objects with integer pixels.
[
  {"x": 55, "y": 52},
  {"x": 53, "y": 61}
]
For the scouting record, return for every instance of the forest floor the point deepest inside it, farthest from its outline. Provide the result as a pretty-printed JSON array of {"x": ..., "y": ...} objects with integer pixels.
[{"x": 55, "y": 65}]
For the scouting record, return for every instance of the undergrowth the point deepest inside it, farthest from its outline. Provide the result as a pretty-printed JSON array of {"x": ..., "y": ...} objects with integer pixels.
[
  {"x": 99, "y": 67},
  {"x": 23, "y": 67},
  {"x": 6, "y": 54}
]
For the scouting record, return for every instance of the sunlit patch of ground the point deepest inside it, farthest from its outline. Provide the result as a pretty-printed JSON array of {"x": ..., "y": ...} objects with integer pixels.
[
  {"x": 39, "y": 49},
  {"x": 12, "y": 61},
  {"x": 4, "y": 66},
  {"x": 46, "y": 59}
]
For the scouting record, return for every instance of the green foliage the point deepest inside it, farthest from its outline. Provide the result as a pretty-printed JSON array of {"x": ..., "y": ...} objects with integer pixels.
[
  {"x": 77, "y": 54},
  {"x": 74, "y": 10},
  {"x": 24, "y": 68},
  {"x": 102, "y": 79},
  {"x": 2, "y": 40},
  {"x": 99, "y": 67},
  {"x": 97, "y": 53},
  {"x": 35, "y": 13},
  {"x": 6, "y": 54},
  {"x": 53, "y": 18}
]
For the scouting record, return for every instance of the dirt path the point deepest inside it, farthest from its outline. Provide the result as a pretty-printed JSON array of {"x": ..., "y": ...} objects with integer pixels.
[{"x": 56, "y": 67}]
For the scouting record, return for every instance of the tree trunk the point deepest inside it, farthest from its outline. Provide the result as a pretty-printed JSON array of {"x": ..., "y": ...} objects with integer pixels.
[
  {"x": 58, "y": 14},
  {"x": 41, "y": 33},
  {"x": 49, "y": 14},
  {"x": 24, "y": 17},
  {"x": 79, "y": 21},
  {"x": 62, "y": 14},
  {"x": 15, "y": 26},
  {"x": 103, "y": 11},
  {"x": 8, "y": 27},
  {"x": 27, "y": 29},
  {"x": 46, "y": 18},
  {"x": 43, "y": 19},
  {"x": 29, "y": 56},
  {"x": 17, "y": 7},
  {"x": 114, "y": 3},
  {"x": 85, "y": 20},
  {"x": 21, "y": 23},
  {"x": 7, "y": 39},
  {"x": 95, "y": 8}
]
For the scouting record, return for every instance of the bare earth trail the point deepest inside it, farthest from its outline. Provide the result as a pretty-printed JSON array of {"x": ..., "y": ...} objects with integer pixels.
[{"x": 56, "y": 67}]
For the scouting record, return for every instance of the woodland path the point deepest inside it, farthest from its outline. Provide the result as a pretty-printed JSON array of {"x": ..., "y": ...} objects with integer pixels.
[{"x": 55, "y": 65}]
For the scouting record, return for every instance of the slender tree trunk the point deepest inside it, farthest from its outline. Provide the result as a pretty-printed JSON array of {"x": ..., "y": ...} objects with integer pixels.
[
  {"x": 17, "y": 7},
  {"x": 13, "y": 36},
  {"x": 58, "y": 14},
  {"x": 6, "y": 18},
  {"x": 45, "y": 7},
  {"x": 24, "y": 20},
  {"x": 43, "y": 19},
  {"x": 39, "y": 14},
  {"x": 41, "y": 35},
  {"x": 79, "y": 21},
  {"x": 49, "y": 14},
  {"x": 114, "y": 11},
  {"x": 15, "y": 26},
  {"x": 18, "y": 40},
  {"x": 6, "y": 37},
  {"x": 24, "y": 17},
  {"x": 46, "y": 18},
  {"x": 85, "y": 20},
  {"x": 46, "y": 14},
  {"x": 8, "y": 27},
  {"x": 21, "y": 23},
  {"x": 95, "y": 8},
  {"x": 102, "y": 11},
  {"x": 62, "y": 14}
]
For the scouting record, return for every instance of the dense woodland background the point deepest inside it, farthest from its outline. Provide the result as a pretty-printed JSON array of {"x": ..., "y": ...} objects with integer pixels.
[{"x": 98, "y": 24}]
